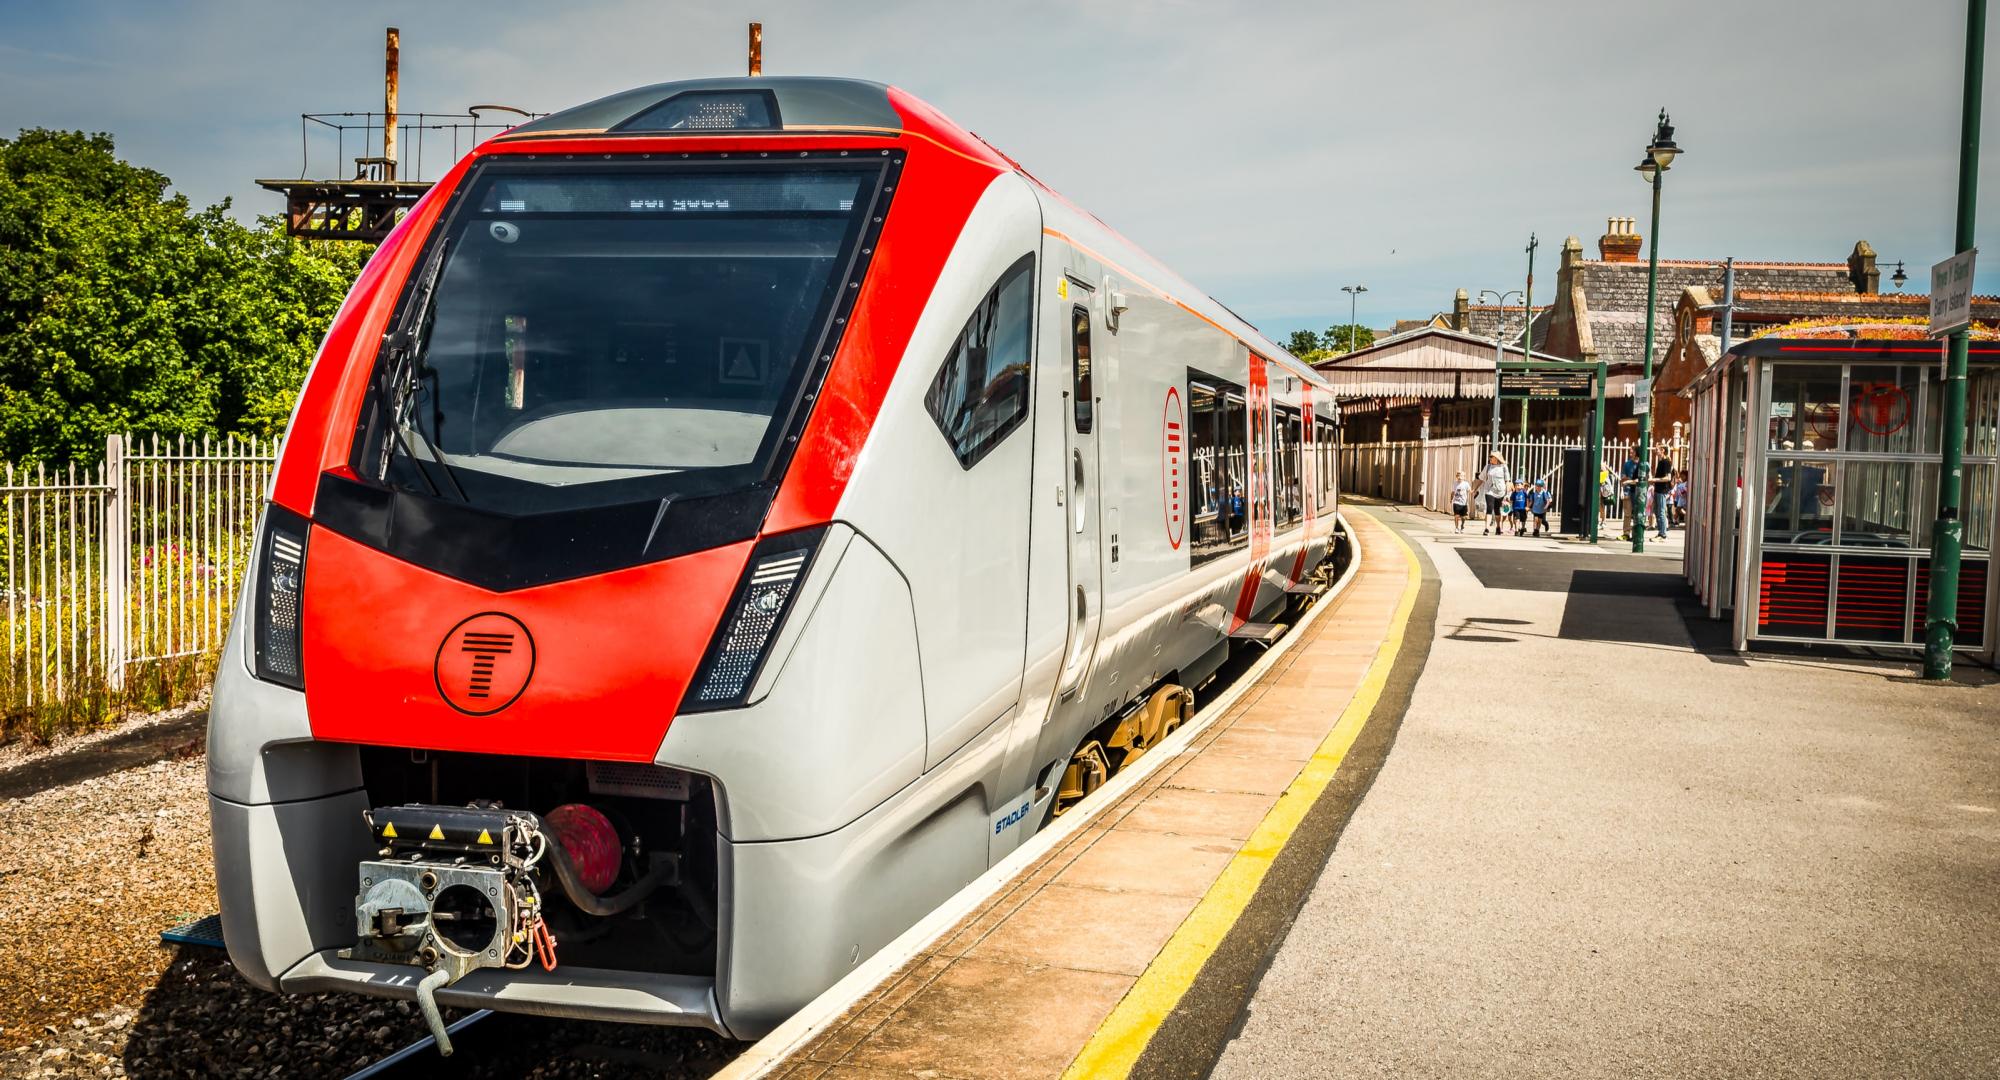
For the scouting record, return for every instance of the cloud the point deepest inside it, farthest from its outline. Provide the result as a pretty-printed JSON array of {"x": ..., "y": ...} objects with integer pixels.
[{"x": 1268, "y": 153}]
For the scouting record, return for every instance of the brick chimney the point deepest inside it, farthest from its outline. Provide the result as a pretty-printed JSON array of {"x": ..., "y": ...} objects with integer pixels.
[
  {"x": 1461, "y": 310},
  {"x": 1861, "y": 269},
  {"x": 1620, "y": 242}
]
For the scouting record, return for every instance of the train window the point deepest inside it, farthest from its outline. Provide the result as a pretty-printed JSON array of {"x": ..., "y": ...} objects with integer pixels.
[
  {"x": 980, "y": 394},
  {"x": 1079, "y": 343},
  {"x": 611, "y": 333},
  {"x": 1290, "y": 501},
  {"x": 1218, "y": 443}
]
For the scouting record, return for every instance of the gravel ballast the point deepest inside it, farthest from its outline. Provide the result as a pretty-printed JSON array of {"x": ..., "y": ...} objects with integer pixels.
[{"x": 91, "y": 872}]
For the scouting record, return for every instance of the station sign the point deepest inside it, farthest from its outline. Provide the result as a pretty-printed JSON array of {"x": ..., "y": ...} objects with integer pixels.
[
  {"x": 1951, "y": 293},
  {"x": 1545, "y": 383}
]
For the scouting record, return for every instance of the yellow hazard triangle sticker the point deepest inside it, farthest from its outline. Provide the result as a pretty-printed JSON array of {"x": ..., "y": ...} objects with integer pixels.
[
  {"x": 485, "y": 837},
  {"x": 389, "y": 831},
  {"x": 437, "y": 832}
]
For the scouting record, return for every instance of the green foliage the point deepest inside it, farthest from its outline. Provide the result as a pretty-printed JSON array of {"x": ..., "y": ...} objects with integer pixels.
[
  {"x": 1337, "y": 337},
  {"x": 1302, "y": 342},
  {"x": 124, "y": 309}
]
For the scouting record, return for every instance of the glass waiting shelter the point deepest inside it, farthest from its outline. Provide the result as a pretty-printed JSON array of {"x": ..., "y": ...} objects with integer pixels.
[{"x": 1813, "y": 486}]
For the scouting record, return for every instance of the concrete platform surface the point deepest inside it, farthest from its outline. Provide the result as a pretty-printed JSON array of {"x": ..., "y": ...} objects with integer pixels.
[
  {"x": 1602, "y": 847},
  {"x": 1019, "y": 986}
]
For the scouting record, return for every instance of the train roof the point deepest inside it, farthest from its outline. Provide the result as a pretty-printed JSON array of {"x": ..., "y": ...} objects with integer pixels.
[{"x": 716, "y": 106}]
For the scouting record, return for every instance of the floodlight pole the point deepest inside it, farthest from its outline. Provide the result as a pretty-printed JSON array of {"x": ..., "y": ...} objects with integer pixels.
[{"x": 1947, "y": 533}]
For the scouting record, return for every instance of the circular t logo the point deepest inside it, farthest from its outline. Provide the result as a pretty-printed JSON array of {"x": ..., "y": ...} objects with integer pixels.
[{"x": 485, "y": 663}]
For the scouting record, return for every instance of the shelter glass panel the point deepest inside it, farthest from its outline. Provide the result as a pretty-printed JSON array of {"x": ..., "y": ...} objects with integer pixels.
[
  {"x": 1982, "y": 414},
  {"x": 1878, "y": 504},
  {"x": 1798, "y": 501},
  {"x": 1805, "y": 407},
  {"x": 1882, "y": 410}
]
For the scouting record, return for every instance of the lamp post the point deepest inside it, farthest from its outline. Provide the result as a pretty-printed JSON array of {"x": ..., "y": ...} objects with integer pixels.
[
  {"x": 1653, "y": 166},
  {"x": 1499, "y": 336},
  {"x": 1353, "y": 298}
]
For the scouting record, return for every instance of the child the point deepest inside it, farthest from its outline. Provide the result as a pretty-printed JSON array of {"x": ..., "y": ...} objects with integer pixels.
[
  {"x": 1538, "y": 505},
  {"x": 1518, "y": 502},
  {"x": 1461, "y": 502},
  {"x": 1680, "y": 500}
]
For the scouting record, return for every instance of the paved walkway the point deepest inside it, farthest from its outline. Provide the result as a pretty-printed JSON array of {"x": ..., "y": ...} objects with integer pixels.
[
  {"x": 1083, "y": 952},
  {"x": 1602, "y": 846}
]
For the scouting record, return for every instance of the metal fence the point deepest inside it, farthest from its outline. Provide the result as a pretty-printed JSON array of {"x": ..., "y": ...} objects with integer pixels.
[
  {"x": 120, "y": 564},
  {"x": 1422, "y": 472}
]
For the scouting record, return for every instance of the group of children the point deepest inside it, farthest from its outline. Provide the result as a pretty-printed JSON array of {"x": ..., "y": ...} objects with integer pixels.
[{"x": 1524, "y": 500}]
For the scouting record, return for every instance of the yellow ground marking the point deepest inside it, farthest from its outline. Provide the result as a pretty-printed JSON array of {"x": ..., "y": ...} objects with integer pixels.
[{"x": 1116, "y": 1046}]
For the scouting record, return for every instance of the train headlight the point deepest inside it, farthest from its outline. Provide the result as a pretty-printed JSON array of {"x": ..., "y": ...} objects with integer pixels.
[
  {"x": 277, "y": 648},
  {"x": 758, "y": 608}
]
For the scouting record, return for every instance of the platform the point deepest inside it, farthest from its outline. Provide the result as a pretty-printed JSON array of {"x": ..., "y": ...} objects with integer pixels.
[{"x": 1070, "y": 965}]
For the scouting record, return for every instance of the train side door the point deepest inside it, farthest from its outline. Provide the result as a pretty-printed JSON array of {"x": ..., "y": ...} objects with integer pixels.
[{"x": 1081, "y": 498}]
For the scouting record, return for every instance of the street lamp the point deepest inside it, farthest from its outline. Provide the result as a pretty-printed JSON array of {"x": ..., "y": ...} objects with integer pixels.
[
  {"x": 1659, "y": 157},
  {"x": 1899, "y": 277},
  {"x": 1499, "y": 335},
  {"x": 1353, "y": 298}
]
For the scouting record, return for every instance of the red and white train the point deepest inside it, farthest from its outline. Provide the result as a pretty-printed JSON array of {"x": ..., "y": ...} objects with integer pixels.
[{"x": 723, "y": 520}]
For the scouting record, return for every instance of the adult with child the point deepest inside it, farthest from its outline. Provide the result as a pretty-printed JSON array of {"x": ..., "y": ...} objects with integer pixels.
[{"x": 1495, "y": 487}]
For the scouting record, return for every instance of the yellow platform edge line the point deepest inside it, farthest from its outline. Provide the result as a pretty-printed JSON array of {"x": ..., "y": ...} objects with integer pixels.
[{"x": 1115, "y": 1047}]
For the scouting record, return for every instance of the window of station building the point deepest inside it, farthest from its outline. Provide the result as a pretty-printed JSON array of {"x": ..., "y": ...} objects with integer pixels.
[
  {"x": 1290, "y": 496},
  {"x": 1218, "y": 428},
  {"x": 980, "y": 393},
  {"x": 1082, "y": 403}
]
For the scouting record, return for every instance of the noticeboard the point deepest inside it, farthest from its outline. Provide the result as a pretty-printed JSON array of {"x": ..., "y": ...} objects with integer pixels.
[{"x": 1547, "y": 385}]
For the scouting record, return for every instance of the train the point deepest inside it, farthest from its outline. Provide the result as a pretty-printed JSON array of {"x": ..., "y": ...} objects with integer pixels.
[{"x": 722, "y": 521}]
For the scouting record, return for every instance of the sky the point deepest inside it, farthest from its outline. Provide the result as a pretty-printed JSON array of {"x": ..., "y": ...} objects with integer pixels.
[{"x": 1270, "y": 153}]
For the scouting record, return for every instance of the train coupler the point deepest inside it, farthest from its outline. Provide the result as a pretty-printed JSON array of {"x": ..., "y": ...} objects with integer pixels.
[{"x": 452, "y": 890}]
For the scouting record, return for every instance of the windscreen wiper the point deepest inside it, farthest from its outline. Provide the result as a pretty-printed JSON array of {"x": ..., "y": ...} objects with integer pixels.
[{"x": 404, "y": 344}]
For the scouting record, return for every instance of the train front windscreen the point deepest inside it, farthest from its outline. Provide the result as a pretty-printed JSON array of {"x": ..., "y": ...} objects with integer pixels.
[{"x": 581, "y": 336}]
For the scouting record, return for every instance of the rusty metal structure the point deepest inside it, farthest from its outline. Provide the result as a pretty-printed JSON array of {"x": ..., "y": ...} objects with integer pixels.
[
  {"x": 756, "y": 48},
  {"x": 390, "y": 172}
]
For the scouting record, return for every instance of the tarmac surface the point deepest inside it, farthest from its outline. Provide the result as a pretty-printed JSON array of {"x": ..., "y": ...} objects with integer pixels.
[{"x": 1604, "y": 845}]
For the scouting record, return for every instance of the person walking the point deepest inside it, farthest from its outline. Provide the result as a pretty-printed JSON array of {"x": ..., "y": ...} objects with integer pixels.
[
  {"x": 1632, "y": 476},
  {"x": 1461, "y": 502},
  {"x": 1663, "y": 483},
  {"x": 1681, "y": 500},
  {"x": 1495, "y": 485},
  {"x": 1538, "y": 506}
]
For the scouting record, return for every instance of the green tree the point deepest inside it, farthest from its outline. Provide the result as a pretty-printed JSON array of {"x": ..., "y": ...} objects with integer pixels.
[
  {"x": 1302, "y": 342},
  {"x": 124, "y": 309},
  {"x": 1338, "y": 336}
]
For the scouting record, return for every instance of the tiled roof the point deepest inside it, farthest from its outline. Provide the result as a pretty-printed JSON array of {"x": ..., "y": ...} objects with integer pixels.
[
  {"x": 1615, "y": 294},
  {"x": 1759, "y": 305},
  {"x": 1481, "y": 320}
]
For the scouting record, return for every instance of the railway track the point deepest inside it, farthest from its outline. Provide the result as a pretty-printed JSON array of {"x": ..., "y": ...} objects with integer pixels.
[{"x": 486, "y": 1045}]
